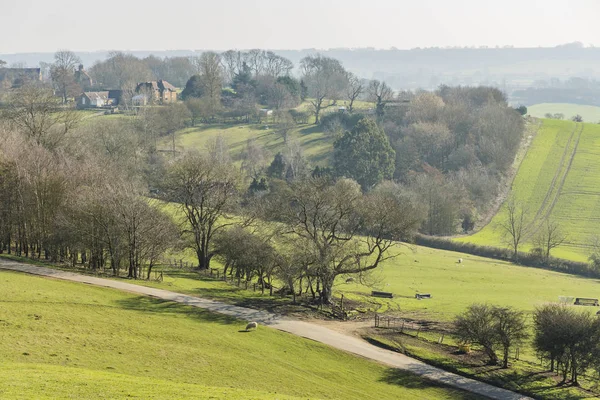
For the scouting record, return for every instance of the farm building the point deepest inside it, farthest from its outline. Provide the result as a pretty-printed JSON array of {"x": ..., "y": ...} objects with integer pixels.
[
  {"x": 82, "y": 78},
  {"x": 158, "y": 91},
  {"x": 107, "y": 98}
]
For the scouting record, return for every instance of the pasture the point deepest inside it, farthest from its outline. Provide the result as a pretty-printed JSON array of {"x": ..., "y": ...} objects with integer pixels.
[
  {"x": 416, "y": 269},
  {"x": 589, "y": 113},
  {"x": 558, "y": 180},
  {"x": 316, "y": 145},
  {"x": 69, "y": 340}
]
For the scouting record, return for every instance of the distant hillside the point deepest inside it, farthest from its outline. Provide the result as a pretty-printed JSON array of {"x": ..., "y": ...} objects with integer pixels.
[{"x": 508, "y": 68}]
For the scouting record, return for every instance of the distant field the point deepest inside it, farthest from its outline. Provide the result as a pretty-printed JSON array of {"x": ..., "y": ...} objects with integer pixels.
[
  {"x": 69, "y": 340},
  {"x": 559, "y": 179},
  {"x": 589, "y": 113}
]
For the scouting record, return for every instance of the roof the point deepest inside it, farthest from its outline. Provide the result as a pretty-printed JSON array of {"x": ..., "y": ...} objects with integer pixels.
[
  {"x": 159, "y": 85},
  {"x": 96, "y": 95}
]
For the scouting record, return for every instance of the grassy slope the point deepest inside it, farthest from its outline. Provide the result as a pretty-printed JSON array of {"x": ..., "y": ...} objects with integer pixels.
[
  {"x": 559, "y": 180},
  {"x": 317, "y": 145},
  {"x": 589, "y": 113},
  {"x": 61, "y": 339}
]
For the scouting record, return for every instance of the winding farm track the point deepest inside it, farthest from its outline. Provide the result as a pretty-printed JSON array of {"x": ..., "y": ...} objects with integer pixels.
[{"x": 299, "y": 328}]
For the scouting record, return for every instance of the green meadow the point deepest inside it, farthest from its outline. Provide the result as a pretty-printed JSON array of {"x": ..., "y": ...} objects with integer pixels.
[
  {"x": 316, "y": 145},
  {"x": 558, "y": 180},
  {"x": 68, "y": 340}
]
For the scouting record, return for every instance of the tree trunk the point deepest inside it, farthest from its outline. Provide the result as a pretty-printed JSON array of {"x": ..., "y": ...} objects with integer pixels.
[
  {"x": 326, "y": 290},
  {"x": 505, "y": 359},
  {"x": 491, "y": 355}
]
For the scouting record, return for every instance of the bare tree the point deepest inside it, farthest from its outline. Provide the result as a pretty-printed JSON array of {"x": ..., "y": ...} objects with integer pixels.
[
  {"x": 212, "y": 74},
  {"x": 510, "y": 328},
  {"x": 285, "y": 124},
  {"x": 476, "y": 325},
  {"x": 330, "y": 220},
  {"x": 36, "y": 112},
  {"x": 205, "y": 191},
  {"x": 514, "y": 225},
  {"x": 354, "y": 89},
  {"x": 62, "y": 73},
  {"x": 549, "y": 237},
  {"x": 380, "y": 93},
  {"x": 325, "y": 80}
]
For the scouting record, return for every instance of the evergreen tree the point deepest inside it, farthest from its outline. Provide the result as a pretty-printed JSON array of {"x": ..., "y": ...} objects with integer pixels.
[{"x": 364, "y": 154}]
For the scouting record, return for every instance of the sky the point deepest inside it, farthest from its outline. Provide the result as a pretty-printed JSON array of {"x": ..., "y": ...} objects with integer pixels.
[{"x": 49, "y": 25}]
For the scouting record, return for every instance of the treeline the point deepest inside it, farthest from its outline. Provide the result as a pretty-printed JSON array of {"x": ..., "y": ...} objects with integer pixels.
[{"x": 72, "y": 192}]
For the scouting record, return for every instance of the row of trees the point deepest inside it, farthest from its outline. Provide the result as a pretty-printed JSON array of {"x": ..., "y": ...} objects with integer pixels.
[{"x": 567, "y": 338}]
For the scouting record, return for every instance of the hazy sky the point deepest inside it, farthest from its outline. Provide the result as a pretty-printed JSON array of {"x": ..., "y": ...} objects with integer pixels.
[{"x": 47, "y": 25}]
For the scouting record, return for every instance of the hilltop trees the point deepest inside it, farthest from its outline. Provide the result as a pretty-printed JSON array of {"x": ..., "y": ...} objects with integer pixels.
[
  {"x": 325, "y": 79},
  {"x": 364, "y": 154}
]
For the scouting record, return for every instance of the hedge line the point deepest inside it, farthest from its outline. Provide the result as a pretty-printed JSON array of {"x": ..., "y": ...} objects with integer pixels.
[{"x": 526, "y": 259}]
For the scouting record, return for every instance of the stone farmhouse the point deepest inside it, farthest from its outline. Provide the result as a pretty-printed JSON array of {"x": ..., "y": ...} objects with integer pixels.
[{"x": 156, "y": 92}]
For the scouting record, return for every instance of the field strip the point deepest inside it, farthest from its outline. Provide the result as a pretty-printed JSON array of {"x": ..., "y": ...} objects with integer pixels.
[
  {"x": 299, "y": 328},
  {"x": 558, "y": 190},
  {"x": 556, "y": 175}
]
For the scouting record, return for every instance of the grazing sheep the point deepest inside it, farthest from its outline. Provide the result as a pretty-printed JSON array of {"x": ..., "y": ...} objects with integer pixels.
[
  {"x": 460, "y": 260},
  {"x": 252, "y": 325}
]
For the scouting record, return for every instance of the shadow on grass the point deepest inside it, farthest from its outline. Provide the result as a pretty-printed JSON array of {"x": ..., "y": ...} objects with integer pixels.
[
  {"x": 165, "y": 307},
  {"x": 274, "y": 304},
  {"x": 394, "y": 376}
]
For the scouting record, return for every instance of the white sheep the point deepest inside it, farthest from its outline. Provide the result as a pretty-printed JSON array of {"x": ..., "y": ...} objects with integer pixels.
[
  {"x": 252, "y": 325},
  {"x": 460, "y": 260}
]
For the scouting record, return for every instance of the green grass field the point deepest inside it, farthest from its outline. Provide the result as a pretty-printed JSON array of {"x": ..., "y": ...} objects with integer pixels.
[
  {"x": 453, "y": 286},
  {"x": 316, "y": 145},
  {"x": 589, "y": 113},
  {"x": 68, "y": 340},
  {"x": 559, "y": 180}
]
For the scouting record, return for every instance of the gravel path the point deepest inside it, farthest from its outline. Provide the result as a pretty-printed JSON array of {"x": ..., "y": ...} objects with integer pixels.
[{"x": 300, "y": 328}]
